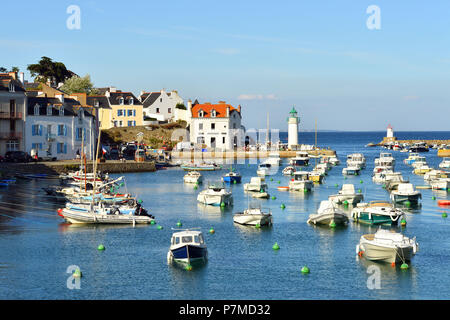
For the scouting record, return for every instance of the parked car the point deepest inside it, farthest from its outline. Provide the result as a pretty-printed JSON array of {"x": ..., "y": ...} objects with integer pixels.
[
  {"x": 17, "y": 156},
  {"x": 114, "y": 154}
]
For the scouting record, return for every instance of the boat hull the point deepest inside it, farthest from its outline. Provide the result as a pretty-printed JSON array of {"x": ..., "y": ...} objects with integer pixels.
[
  {"x": 189, "y": 253},
  {"x": 232, "y": 179},
  {"x": 77, "y": 217},
  {"x": 351, "y": 199},
  {"x": 215, "y": 200},
  {"x": 399, "y": 198},
  {"x": 373, "y": 219},
  {"x": 386, "y": 254},
  {"x": 253, "y": 219},
  {"x": 328, "y": 219}
]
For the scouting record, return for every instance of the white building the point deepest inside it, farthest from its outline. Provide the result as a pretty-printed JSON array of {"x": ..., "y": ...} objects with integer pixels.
[
  {"x": 216, "y": 125},
  {"x": 390, "y": 132},
  {"x": 160, "y": 105},
  {"x": 57, "y": 127}
]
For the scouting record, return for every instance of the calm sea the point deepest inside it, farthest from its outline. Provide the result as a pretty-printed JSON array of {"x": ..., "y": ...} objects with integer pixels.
[{"x": 37, "y": 248}]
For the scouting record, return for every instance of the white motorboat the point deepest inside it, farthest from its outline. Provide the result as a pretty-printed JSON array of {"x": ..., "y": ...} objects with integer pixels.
[
  {"x": 385, "y": 159},
  {"x": 436, "y": 174},
  {"x": 322, "y": 168},
  {"x": 347, "y": 195},
  {"x": 380, "y": 177},
  {"x": 420, "y": 161},
  {"x": 256, "y": 185},
  {"x": 253, "y": 217},
  {"x": 421, "y": 170},
  {"x": 387, "y": 246},
  {"x": 440, "y": 184},
  {"x": 377, "y": 213},
  {"x": 405, "y": 192},
  {"x": 328, "y": 214},
  {"x": 300, "y": 182},
  {"x": 193, "y": 177},
  {"x": 187, "y": 246},
  {"x": 332, "y": 160},
  {"x": 273, "y": 159},
  {"x": 445, "y": 164},
  {"x": 413, "y": 156},
  {"x": 215, "y": 195},
  {"x": 356, "y": 159},
  {"x": 393, "y": 179},
  {"x": 263, "y": 169},
  {"x": 351, "y": 170},
  {"x": 301, "y": 159},
  {"x": 379, "y": 169},
  {"x": 288, "y": 171}
]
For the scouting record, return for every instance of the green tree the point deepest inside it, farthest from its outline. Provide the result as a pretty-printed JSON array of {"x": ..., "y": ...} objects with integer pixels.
[
  {"x": 2, "y": 69},
  {"x": 46, "y": 69},
  {"x": 76, "y": 84},
  {"x": 15, "y": 69}
]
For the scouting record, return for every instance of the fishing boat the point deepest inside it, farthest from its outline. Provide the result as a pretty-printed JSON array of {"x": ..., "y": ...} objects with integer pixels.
[
  {"x": 440, "y": 184},
  {"x": 187, "y": 246},
  {"x": 288, "y": 171},
  {"x": 232, "y": 177},
  {"x": 392, "y": 180},
  {"x": 300, "y": 182},
  {"x": 356, "y": 159},
  {"x": 351, "y": 170},
  {"x": 216, "y": 195},
  {"x": 385, "y": 159},
  {"x": 256, "y": 185},
  {"x": 323, "y": 168},
  {"x": 316, "y": 176},
  {"x": 263, "y": 169},
  {"x": 380, "y": 176},
  {"x": 346, "y": 195},
  {"x": 253, "y": 217},
  {"x": 193, "y": 177},
  {"x": 328, "y": 214},
  {"x": 419, "y": 147},
  {"x": 436, "y": 174},
  {"x": 420, "y": 161},
  {"x": 405, "y": 192},
  {"x": 445, "y": 164},
  {"x": 377, "y": 213},
  {"x": 387, "y": 246},
  {"x": 371, "y": 144},
  {"x": 413, "y": 156},
  {"x": 301, "y": 159},
  {"x": 105, "y": 214}
]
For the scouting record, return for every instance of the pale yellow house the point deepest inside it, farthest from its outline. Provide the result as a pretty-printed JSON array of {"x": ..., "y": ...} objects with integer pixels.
[{"x": 117, "y": 109}]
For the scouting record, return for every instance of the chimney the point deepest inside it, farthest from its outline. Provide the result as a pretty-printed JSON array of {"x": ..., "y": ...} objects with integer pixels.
[
  {"x": 189, "y": 107},
  {"x": 228, "y": 111},
  {"x": 239, "y": 109},
  {"x": 22, "y": 77}
]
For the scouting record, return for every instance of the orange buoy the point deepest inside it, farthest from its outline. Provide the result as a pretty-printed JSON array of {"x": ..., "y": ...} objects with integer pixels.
[
  {"x": 444, "y": 202},
  {"x": 360, "y": 253},
  {"x": 393, "y": 264}
]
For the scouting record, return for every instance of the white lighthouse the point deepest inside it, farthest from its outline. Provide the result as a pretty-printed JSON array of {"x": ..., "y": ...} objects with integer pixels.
[
  {"x": 293, "y": 121},
  {"x": 390, "y": 132}
]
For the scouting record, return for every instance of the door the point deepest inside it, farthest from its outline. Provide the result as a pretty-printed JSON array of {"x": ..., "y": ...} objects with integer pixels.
[{"x": 213, "y": 142}]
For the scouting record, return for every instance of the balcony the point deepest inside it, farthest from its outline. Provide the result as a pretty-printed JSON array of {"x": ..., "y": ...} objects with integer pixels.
[
  {"x": 10, "y": 115},
  {"x": 10, "y": 135}
]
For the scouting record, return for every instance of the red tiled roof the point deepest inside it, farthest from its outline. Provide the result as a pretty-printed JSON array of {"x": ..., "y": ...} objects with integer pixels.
[{"x": 221, "y": 109}]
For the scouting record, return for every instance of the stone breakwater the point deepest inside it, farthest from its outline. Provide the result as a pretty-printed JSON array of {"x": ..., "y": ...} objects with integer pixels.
[
  {"x": 58, "y": 167},
  {"x": 428, "y": 142}
]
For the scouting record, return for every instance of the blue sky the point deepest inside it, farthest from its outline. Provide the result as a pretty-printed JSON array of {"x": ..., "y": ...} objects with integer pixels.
[{"x": 267, "y": 56}]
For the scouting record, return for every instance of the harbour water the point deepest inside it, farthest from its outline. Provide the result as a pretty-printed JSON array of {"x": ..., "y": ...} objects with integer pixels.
[{"x": 37, "y": 248}]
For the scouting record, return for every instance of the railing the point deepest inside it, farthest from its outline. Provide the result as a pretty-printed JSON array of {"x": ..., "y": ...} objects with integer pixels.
[
  {"x": 10, "y": 135},
  {"x": 10, "y": 115}
]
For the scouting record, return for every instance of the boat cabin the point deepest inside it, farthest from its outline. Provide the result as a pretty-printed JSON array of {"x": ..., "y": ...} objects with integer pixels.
[
  {"x": 187, "y": 237},
  {"x": 300, "y": 176}
]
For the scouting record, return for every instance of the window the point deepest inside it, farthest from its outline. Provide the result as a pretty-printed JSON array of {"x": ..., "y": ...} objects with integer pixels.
[
  {"x": 200, "y": 126},
  {"x": 160, "y": 99},
  {"x": 213, "y": 126},
  {"x": 134, "y": 112},
  {"x": 36, "y": 130},
  {"x": 115, "y": 123},
  {"x": 186, "y": 239},
  {"x": 49, "y": 110},
  {"x": 61, "y": 111},
  {"x": 130, "y": 123},
  {"x": 130, "y": 113},
  {"x": 62, "y": 130},
  {"x": 79, "y": 134},
  {"x": 119, "y": 112},
  {"x": 234, "y": 125},
  {"x": 120, "y": 100},
  {"x": 96, "y": 103},
  {"x": 49, "y": 129},
  {"x": 36, "y": 109},
  {"x": 12, "y": 88},
  {"x": 120, "y": 123},
  {"x": 157, "y": 110},
  {"x": 201, "y": 114},
  {"x": 61, "y": 148},
  {"x": 223, "y": 140},
  {"x": 36, "y": 146},
  {"x": 12, "y": 145},
  {"x": 213, "y": 113},
  {"x": 131, "y": 101},
  {"x": 169, "y": 110},
  {"x": 196, "y": 240},
  {"x": 177, "y": 240}
]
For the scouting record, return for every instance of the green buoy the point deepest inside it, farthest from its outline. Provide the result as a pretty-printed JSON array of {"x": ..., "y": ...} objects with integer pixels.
[
  {"x": 179, "y": 224},
  {"x": 305, "y": 190},
  {"x": 261, "y": 191},
  {"x": 336, "y": 185},
  {"x": 274, "y": 198},
  {"x": 407, "y": 203},
  {"x": 101, "y": 247},
  {"x": 140, "y": 201},
  {"x": 444, "y": 215},
  {"x": 360, "y": 181},
  {"x": 333, "y": 224},
  {"x": 211, "y": 230},
  {"x": 433, "y": 198},
  {"x": 159, "y": 227},
  {"x": 195, "y": 187},
  {"x": 276, "y": 246},
  {"x": 384, "y": 186},
  {"x": 257, "y": 226},
  {"x": 222, "y": 204},
  {"x": 279, "y": 181},
  {"x": 282, "y": 206},
  {"x": 234, "y": 181},
  {"x": 271, "y": 179},
  {"x": 359, "y": 190},
  {"x": 345, "y": 203},
  {"x": 122, "y": 184},
  {"x": 305, "y": 270},
  {"x": 404, "y": 266},
  {"x": 188, "y": 267},
  {"x": 403, "y": 222}
]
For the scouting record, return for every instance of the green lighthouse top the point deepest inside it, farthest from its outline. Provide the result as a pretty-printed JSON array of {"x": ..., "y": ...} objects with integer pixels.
[{"x": 293, "y": 112}]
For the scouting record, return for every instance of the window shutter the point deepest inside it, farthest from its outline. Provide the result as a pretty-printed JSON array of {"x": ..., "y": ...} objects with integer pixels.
[
  {"x": 84, "y": 134},
  {"x": 65, "y": 130},
  {"x": 40, "y": 130},
  {"x": 65, "y": 147}
]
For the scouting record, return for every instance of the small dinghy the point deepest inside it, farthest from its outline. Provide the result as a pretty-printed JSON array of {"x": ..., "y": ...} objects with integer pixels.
[
  {"x": 387, "y": 246},
  {"x": 347, "y": 195},
  {"x": 232, "y": 177},
  {"x": 253, "y": 217},
  {"x": 328, "y": 214},
  {"x": 193, "y": 177}
]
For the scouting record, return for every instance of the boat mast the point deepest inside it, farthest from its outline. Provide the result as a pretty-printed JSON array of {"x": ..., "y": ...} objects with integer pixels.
[
  {"x": 81, "y": 159},
  {"x": 267, "y": 134},
  {"x": 95, "y": 164}
]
